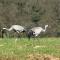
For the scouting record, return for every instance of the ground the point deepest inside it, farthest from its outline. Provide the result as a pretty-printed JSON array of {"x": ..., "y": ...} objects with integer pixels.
[{"x": 33, "y": 49}]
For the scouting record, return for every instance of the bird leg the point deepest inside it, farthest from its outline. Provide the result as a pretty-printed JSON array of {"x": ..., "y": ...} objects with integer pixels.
[{"x": 18, "y": 35}]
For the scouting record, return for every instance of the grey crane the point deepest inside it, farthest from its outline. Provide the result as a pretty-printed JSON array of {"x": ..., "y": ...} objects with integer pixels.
[
  {"x": 16, "y": 28},
  {"x": 35, "y": 31}
]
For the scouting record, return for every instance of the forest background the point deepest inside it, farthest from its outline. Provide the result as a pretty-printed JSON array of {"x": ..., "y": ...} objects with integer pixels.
[{"x": 31, "y": 13}]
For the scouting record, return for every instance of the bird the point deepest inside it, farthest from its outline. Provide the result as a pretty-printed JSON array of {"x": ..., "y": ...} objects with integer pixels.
[
  {"x": 35, "y": 31},
  {"x": 15, "y": 28}
]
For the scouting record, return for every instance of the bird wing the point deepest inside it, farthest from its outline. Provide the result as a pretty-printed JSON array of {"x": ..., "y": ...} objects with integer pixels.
[
  {"x": 36, "y": 30},
  {"x": 18, "y": 27}
]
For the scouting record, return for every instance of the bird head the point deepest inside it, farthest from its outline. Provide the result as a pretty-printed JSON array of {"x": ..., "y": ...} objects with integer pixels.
[{"x": 3, "y": 30}]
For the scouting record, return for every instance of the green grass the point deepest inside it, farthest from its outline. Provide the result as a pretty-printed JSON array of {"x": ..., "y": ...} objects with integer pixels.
[{"x": 20, "y": 48}]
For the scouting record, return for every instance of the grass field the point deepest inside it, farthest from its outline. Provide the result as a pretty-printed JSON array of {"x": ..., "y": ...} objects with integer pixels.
[{"x": 22, "y": 49}]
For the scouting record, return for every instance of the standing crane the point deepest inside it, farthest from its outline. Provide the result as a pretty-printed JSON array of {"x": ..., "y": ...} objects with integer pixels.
[
  {"x": 15, "y": 28},
  {"x": 36, "y": 31}
]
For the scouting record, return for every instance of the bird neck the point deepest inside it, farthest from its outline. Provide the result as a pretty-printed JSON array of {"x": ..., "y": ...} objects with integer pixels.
[
  {"x": 44, "y": 29},
  {"x": 9, "y": 29}
]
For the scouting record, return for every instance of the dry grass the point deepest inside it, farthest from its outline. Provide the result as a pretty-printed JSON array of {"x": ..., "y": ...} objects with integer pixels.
[
  {"x": 30, "y": 57},
  {"x": 41, "y": 57}
]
